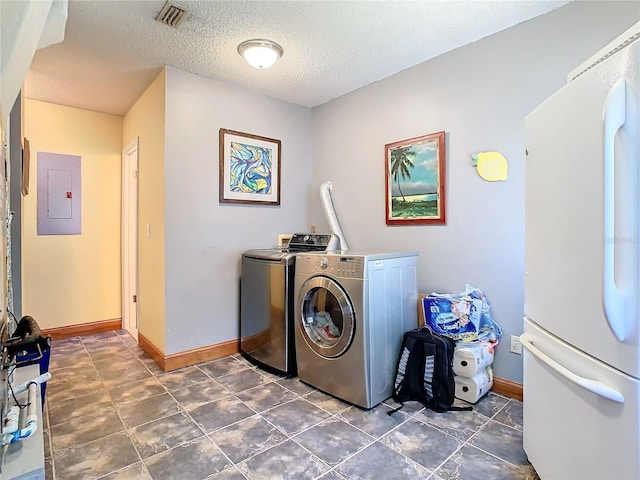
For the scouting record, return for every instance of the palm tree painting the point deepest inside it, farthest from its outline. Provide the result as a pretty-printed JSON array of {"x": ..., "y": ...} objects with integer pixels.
[
  {"x": 401, "y": 162},
  {"x": 415, "y": 174}
]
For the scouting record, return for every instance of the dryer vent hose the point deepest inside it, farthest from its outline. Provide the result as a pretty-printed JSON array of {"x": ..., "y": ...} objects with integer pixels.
[{"x": 330, "y": 213}]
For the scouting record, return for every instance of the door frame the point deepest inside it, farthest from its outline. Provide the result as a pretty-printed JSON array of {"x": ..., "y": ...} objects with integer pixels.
[{"x": 130, "y": 238}]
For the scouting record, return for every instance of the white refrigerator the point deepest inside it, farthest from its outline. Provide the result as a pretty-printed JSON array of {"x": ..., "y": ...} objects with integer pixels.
[{"x": 582, "y": 330}]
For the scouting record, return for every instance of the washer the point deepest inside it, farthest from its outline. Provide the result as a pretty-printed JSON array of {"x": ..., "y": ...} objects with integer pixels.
[
  {"x": 351, "y": 312},
  {"x": 266, "y": 301}
]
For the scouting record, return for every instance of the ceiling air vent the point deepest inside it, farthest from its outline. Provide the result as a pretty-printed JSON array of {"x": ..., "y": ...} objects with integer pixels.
[{"x": 172, "y": 14}]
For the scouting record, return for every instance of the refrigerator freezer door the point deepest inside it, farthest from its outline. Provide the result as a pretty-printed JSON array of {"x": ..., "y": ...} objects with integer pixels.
[
  {"x": 582, "y": 203},
  {"x": 571, "y": 432}
]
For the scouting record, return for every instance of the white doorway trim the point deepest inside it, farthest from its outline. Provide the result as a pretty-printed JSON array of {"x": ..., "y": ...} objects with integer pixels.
[{"x": 130, "y": 238}]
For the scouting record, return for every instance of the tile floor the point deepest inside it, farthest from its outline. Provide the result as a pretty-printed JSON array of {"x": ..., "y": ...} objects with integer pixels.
[{"x": 113, "y": 414}]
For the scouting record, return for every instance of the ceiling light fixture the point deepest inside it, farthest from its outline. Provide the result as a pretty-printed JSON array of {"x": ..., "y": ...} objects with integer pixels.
[{"x": 260, "y": 53}]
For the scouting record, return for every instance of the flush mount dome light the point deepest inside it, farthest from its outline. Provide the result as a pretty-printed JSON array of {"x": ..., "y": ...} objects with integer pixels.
[{"x": 260, "y": 53}]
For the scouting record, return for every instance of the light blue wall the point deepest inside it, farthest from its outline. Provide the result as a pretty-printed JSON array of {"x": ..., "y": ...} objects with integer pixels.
[
  {"x": 204, "y": 239},
  {"x": 479, "y": 94}
]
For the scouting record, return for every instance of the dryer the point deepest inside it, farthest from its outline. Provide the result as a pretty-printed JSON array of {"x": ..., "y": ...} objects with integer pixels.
[{"x": 351, "y": 311}]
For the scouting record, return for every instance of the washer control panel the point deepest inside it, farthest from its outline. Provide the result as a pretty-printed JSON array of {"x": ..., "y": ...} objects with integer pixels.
[{"x": 312, "y": 242}]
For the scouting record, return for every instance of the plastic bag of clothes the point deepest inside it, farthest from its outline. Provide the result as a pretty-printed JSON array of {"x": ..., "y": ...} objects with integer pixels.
[{"x": 463, "y": 317}]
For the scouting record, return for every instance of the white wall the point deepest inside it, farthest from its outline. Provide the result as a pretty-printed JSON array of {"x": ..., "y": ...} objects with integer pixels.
[
  {"x": 26, "y": 26},
  {"x": 205, "y": 239},
  {"x": 479, "y": 94}
]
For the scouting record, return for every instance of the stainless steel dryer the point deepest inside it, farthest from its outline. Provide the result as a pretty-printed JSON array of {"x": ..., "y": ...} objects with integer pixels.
[
  {"x": 266, "y": 302},
  {"x": 351, "y": 313}
]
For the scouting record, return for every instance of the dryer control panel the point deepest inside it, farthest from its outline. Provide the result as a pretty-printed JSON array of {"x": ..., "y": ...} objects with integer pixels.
[
  {"x": 346, "y": 266},
  {"x": 350, "y": 266}
]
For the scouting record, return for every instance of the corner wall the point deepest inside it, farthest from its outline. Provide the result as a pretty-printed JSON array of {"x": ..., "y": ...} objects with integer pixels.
[
  {"x": 21, "y": 27},
  {"x": 479, "y": 94},
  {"x": 15, "y": 205},
  {"x": 146, "y": 121},
  {"x": 74, "y": 279},
  {"x": 204, "y": 238}
]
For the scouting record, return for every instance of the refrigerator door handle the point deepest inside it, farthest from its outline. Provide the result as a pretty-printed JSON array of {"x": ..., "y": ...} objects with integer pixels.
[
  {"x": 614, "y": 301},
  {"x": 593, "y": 386}
]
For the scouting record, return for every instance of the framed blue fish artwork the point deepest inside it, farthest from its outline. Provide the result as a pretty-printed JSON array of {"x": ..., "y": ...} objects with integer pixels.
[{"x": 249, "y": 168}]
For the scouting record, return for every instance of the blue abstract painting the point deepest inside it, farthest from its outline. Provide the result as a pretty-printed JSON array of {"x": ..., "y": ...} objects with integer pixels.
[{"x": 250, "y": 168}]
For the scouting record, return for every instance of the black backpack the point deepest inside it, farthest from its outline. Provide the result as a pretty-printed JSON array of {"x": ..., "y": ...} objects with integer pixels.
[{"x": 425, "y": 371}]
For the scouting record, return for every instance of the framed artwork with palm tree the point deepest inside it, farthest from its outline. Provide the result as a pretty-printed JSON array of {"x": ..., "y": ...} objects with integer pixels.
[{"x": 415, "y": 180}]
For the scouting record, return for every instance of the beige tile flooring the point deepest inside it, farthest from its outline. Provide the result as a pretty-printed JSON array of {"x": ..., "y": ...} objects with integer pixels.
[{"x": 113, "y": 414}]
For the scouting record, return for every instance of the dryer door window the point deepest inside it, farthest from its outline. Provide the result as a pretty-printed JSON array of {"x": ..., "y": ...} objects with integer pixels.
[{"x": 327, "y": 320}]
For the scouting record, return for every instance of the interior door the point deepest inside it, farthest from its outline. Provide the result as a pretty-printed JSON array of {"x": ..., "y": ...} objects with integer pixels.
[{"x": 130, "y": 239}]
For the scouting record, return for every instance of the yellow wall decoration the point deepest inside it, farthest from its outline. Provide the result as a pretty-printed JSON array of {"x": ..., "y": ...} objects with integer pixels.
[{"x": 491, "y": 166}]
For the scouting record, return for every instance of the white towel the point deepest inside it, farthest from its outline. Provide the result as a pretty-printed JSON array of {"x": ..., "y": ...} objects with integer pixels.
[
  {"x": 472, "y": 389},
  {"x": 471, "y": 358}
]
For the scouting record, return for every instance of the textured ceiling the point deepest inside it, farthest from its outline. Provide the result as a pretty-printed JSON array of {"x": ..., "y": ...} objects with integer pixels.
[{"x": 114, "y": 49}]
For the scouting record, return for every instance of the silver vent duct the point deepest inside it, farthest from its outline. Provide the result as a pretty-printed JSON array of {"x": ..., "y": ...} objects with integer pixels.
[{"x": 330, "y": 213}]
